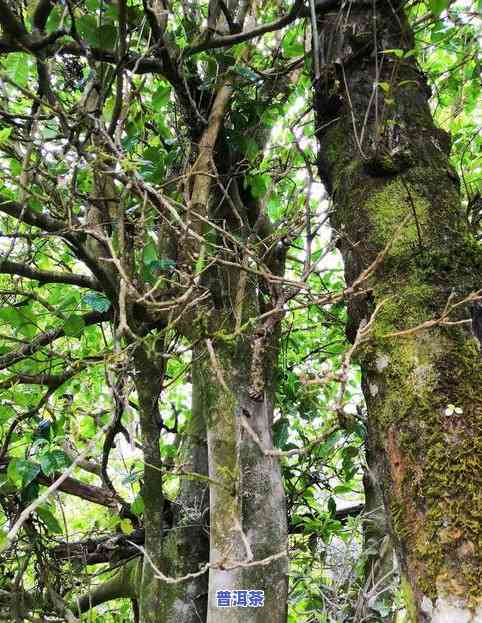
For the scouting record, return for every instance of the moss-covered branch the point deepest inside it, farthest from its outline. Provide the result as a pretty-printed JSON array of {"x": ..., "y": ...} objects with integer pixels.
[{"x": 124, "y": 583}]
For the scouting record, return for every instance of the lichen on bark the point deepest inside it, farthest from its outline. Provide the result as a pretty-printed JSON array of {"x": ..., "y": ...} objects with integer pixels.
[{"x": 247, "y": 504}]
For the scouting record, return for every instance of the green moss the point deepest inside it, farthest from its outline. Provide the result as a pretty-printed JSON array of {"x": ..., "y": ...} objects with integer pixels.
[
  {"x": 407, "y": 303},
  {"x": 350, "y": 171},
  {"x": 389, "y": 206},
  {"x": 408, "y": 599},
  {"x": 436, "y": 510}
]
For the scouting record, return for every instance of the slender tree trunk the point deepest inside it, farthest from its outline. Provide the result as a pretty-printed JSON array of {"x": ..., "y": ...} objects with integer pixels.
[
  {"x": 247, "y": 503},
  {"x": 386, "y": 166},
  {"x": 186, "y": 547},
  {"x": 148, "y": 379}
]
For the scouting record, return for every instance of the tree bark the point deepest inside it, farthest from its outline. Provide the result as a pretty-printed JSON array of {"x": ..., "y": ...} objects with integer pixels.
[
  {"x": 386, "y": 166},
  {"x": 186, "y": 547},
  {"x": 247, "y": 503},
  {"x": 124, "y": 583},
  {"x": 149, "y": 371}
]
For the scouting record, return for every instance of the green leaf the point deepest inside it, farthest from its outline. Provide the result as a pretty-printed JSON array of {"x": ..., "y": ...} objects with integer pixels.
[
  {"x": 106, "y": 36},
  {"x": 281, "y": 429},
  {"x": 153, "y": 168},
  {"x": 15, "y": 167},
  {"x": 259, "y": 185},
  {"x": 395, "y": 51},
  {"x": 161, "y": 97},
  {"x": 274, "y": 207},
  {"x": 200, "y": 264},
  {"x": 382, "y": 607},
  {"x": 22, "y": 471},
  {"x": 133, "y": 476},
  {"x": 291, "y": 45},
  {"x": 149, "y": 253},
  {"x": 49, "y": 519},
  {"x": 54, "y": 19},
  {"x": 74, "y": 326},
  {"x": 331, "y": 506},
  {"x": 87, "y": 426},
  {"x": 4, "y": 134},
  {"x": 6, "y": 412},
  {"x": 438, "y": 6},
  {"x": 27, "y": 328},
  {"x": 87, "y": 28},
  {"x": 326, "y": 447},
  {"x": 162, "y": 264},
  {"x": 351, "y": 451},
  {"x": 17, "y": 65},
  {"x": 30, "y": 493},
  {"x": 137, "y": 506},
  {"x": 126, "y": 526},
  {"x": 252, "y": 149},
  {"x": 54, "y": 461},
  {"x": 6, "y": 486},
  {"x": 246, "y": 73},
  {"x": 97, "y": 301}
]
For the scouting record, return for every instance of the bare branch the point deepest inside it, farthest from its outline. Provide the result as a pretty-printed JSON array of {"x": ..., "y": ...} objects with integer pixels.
[
  {"x": 47, "y": 338},
  {"x": 25, "y": 514},
  {"x": 91, "y": 493},
  {"x": 42, "y": 221},
  {"x": 47, "y": 276},
  {"x": 229, "y": 40},
  {"x": 52, "y": 381}
]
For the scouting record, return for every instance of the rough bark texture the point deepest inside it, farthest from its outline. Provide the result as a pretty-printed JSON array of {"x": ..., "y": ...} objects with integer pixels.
[
  {"x": 186, "y": 547},
  {"x": 384, "y": 161},
  {"x": 247, "y": 494},
  {"x": 124, "y": 583},
  {"x": 148, "y": 379}
]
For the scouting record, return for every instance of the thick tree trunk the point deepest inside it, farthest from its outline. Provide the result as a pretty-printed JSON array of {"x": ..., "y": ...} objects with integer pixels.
[
  {"x": 247, "y": 502},
  {"x": 387, "y": 169}
]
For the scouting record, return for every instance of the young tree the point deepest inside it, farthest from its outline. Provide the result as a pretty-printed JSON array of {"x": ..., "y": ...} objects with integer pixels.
[{"x": 177, "y": 247}]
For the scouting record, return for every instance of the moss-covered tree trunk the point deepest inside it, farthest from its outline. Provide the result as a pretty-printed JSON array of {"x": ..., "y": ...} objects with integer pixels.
[
  {"x": 387, "y": 168},
  {"x": 186, "y": 545},
  {"x": 236, "y": 371},
  {"x": 149, "y": 372},
  {"x": 247, "y": 502}
]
